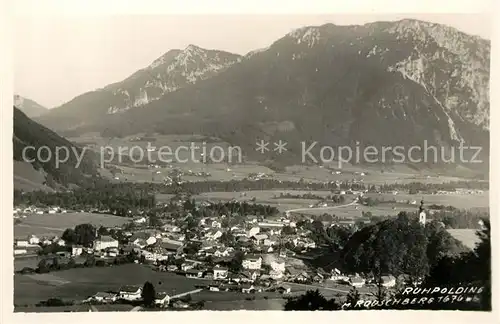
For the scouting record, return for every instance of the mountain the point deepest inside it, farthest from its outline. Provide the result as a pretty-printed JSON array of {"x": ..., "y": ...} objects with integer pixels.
[
  {"x": 29, "y": 107},
  {"x": 31, "y": 173},
  {"x": 174, "y": 70},
  {"x": 383, "y": 84}
]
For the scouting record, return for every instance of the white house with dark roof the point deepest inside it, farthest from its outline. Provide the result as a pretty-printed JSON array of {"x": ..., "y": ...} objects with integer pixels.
[
  {"x": 105, "y": 242},
  {"x": 220, "y": 273},
  {"x": 130, "y": 292},
  {"x": 33, "y": 239},
  {"x": 252, "y": 262},
  {"x": 76, "y": 250},
  {"x": 103, "y": 297},
  {"x": 21, "y": 243},
  {"x": 162, "y": 299},
  {"x": 357, "y": 281}
]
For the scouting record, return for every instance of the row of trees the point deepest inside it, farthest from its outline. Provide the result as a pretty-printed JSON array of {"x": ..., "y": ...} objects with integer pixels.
[
  {"x": 338, "y": 199},
  {"x": 115, "y": 199}
]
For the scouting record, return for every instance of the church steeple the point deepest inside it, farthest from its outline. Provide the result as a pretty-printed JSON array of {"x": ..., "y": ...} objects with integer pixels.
[{"x": 421, "y": 213}]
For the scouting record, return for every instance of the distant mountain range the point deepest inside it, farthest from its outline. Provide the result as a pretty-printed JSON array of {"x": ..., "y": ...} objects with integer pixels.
[
  {"x": 383, "y": 83},
  {"x": 29, "y": 107}
]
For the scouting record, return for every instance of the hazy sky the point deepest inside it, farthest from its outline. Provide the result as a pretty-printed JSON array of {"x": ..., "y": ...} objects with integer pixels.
[{"x": 59, "y": 58}]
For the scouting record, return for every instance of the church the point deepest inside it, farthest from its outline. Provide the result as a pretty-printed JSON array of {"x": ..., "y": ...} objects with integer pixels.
[{"x": 421, "y": 214}]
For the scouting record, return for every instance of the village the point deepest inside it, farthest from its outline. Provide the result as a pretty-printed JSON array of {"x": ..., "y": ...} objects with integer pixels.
[{"x": 227, "y": 253}]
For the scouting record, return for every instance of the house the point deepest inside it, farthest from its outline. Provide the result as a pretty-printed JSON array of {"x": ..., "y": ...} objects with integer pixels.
[
  {"x": 220, "y": 273},
  {"x": 130, "y": 292},
  {"x": 253, "y": 231},
  {"x": 105, "y": 242},
  {"x": 276, "y": 274},
  {"x": 297, "y": 275},
  {"x": 252, "y": 262},
  {"x": 247, "y": 288},
  {"x": 104, "y": 297},
  {"x": 251, "y": 276},
  {"x": 142, "y": 239},
  {"x": 20, "y": 251},
  {"x": 140, "y": 220},
  {"x": 172, "y": 268},
  {"x": 162, "y": 299},
  {"x": 388, "y": 281},
  {"x": 22, "y": 243},
  {"x": 278, "y": 265},
  {"x": 46, "y": 241},
  {"x": 60, "y": 242},
  {"x": 213, "y": 287},
  {"x": 336, "y": 275},
  {"x": 187, "y": 266},
  {"x": 76, "y": 250},
  {"x": 194, "y": 273},
  {"x": 273, "y": 240},
  {"x": 284, "y": 289},
  {"x": 213, "y": 235},
  {"x": 259, "y": 238},
  {"x": 63, "y": 254},
  {"x": 33, "y": 239},
  {"x": 158, "y": 253},
  {"x": 171, "y": 228},
  {"x": 356, "y": 282},
  {"x": 112, "y": 252}
]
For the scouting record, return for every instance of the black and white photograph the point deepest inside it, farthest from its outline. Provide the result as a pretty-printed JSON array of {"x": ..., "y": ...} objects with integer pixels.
[{"x": 258, "y": 162}]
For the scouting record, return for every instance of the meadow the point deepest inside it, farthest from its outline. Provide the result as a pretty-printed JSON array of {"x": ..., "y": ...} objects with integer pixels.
[
  {"x": 80, "y": 283},
  {"x": 55, "y": 224},
  {"x": 467, "y": 236},
  {"x": 461, "y": 201}
]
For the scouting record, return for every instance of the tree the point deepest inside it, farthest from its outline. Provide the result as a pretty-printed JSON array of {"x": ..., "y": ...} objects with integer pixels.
[
  {"x": 90, "y": 262},
  {"x": 102, "y": 231},
  {"x": 85, "y": 234},
  {"x": 148, "y": 294},
  {"x": 42, "y": 266},
  {"x": 310, "y": 301},
  {"x": 482, "y": 254},
  {"x": 236, "y": 263},
  {"x": 287, "y": 230},
  {"x": 69, "y": 236},
  {"x": 353, "y": 297},
  {"x": 154, "y": 220}
]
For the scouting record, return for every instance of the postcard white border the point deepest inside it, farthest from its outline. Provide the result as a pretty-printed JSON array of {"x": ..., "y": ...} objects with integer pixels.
[{"x": 8, "y": 11}]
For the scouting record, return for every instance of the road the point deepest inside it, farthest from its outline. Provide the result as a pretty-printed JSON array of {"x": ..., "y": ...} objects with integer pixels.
[
  {"x": 139, "y": 308},
  {"x": 354, "y": 202}
]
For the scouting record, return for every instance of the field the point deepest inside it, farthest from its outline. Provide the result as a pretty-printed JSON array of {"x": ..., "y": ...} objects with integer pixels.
[
  {"x": 55, "y": 224},
  {"x": 467, "y": 236},
  {"x": 373, "y": 174},
  {"x": 80, "y": 283},
  {"x": 480, "y": 201},
  {"x": 455, "y": 200}
]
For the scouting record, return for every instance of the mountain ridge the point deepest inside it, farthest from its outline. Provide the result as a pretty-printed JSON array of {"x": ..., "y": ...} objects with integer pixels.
[
  {"x": 30, "y": 107},
  {"x": 382, "y": 83}
]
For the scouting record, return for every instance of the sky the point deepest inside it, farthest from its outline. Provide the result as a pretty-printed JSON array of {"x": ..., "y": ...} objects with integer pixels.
[{"x": 57, "y": 58}]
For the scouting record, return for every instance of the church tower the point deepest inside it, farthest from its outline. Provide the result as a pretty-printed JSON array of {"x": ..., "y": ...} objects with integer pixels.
[{"x": 421, "y": 213}]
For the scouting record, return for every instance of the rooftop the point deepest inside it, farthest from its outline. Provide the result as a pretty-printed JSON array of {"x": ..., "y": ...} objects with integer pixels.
[
  {"x": 129, "y": 288},
  {"x": 106, "y": 238}
]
